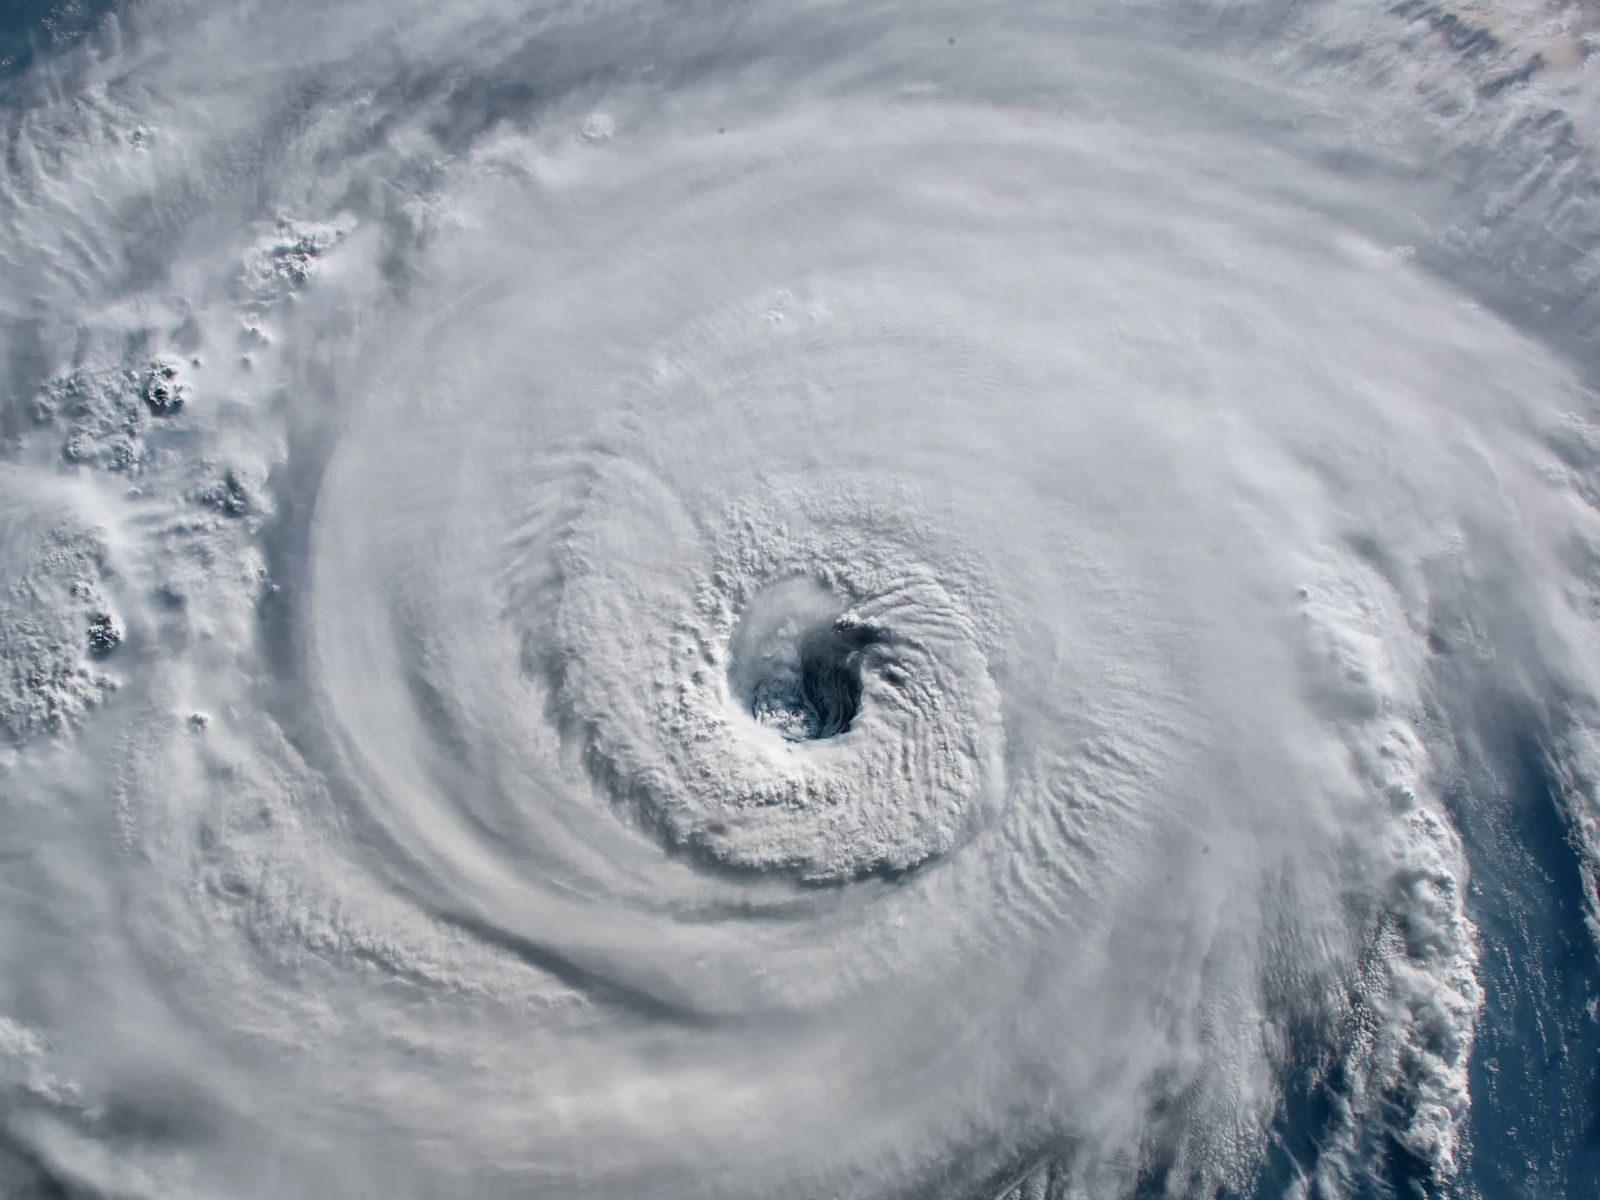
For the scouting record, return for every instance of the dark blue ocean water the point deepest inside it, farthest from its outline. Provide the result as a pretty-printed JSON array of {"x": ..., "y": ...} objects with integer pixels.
[
  {"x": 30, "y": 29},
  {"x": 1536, "y": 1071},
  {"x": 1534, "y": 1131}
]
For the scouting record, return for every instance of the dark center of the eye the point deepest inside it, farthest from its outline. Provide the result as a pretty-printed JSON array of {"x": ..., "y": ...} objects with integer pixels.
[{"x": 815, "y": 692}]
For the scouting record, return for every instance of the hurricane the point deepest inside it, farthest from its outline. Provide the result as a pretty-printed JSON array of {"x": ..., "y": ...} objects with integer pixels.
[{"x": 799, "y": 601}]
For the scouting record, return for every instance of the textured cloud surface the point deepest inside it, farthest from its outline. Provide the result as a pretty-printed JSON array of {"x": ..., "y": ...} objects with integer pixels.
[{"x": 799, "y": 600}]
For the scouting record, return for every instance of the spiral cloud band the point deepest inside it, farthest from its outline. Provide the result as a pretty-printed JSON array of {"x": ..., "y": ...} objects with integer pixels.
[{"x": 770, "y": 600}]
